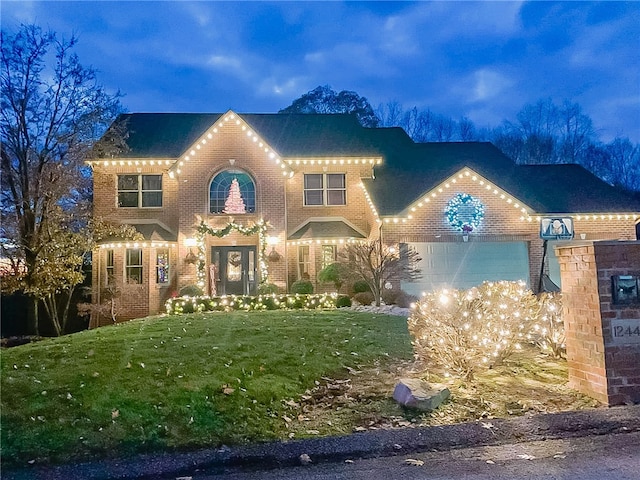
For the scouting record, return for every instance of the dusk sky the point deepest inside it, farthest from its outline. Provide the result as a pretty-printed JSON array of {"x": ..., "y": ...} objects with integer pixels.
[{"x": 482, "y": 60}]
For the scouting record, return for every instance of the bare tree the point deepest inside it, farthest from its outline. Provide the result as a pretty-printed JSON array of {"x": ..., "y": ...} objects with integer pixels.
[
  {"x": 377, "y": 264},
  {"x": 52, "y": 108},
  {"x": 466, "y": 130},
  {"x": 576, "y": 132},
  {"x": 624, "y": 163}
]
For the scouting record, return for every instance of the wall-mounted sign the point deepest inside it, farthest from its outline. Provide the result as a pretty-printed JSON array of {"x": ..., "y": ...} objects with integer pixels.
[{"x": 556, "y": 228}]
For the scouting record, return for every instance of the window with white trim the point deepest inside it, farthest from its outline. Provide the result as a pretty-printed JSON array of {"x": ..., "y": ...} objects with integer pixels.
[
  {"x": 111, "y": 268},
  {"x": 140, "y": 191},
  {"x": 325, "y": 189},
  {"x": 304, "y": 262},
  {"x": 133, "y": 265}
]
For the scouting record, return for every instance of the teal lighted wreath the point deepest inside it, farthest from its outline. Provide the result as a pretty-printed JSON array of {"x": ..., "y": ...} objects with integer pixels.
[{"x": 464, "y": 212}]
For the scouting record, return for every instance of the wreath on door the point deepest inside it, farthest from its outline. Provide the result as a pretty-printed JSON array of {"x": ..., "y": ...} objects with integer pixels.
[{"x": 235, "y": 259}]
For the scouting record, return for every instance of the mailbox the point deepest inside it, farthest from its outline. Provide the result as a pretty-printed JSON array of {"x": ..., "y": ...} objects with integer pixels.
[{"x": 624, "y": 289}]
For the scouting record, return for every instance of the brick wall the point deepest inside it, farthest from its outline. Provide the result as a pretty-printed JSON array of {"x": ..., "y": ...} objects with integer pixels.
[{"x": 600, "y": 364}]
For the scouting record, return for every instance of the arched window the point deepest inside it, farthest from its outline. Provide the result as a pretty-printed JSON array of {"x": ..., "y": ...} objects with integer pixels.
[{"x": 224, "y": 199}]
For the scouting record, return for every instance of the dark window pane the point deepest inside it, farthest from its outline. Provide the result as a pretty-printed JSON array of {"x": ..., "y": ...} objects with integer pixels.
[
  {"x": 336, "y": 197},
  {"x": 134, "y": 275},
  {"x": 128, "y": 199},
  {"x": 127, "y": 182},
  {"x": 335, "y": 180},
  {"x": 313, "y": 197},
  {"x": 151, "y": 199},
  {"x": 152, "y": 182},
  {"x": 134, "y": 257},
  {"x": 313, "y": 181}
]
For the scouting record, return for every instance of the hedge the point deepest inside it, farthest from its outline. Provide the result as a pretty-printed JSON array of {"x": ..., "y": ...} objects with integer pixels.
[{"x": 228, "y": 303}]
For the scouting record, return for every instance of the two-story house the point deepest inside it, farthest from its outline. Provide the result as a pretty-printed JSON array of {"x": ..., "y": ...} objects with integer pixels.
[{"x": 229, "y": 201}]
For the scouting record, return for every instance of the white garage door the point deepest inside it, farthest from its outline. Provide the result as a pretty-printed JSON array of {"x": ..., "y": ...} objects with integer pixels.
[{"x": 463, "y": 265}]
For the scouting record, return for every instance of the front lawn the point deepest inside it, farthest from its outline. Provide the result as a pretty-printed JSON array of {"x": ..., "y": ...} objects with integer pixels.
[{"x": 180, "y": 381}]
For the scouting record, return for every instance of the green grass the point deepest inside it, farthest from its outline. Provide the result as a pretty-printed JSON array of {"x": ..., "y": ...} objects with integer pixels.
[{"x": 179, "y": 381}]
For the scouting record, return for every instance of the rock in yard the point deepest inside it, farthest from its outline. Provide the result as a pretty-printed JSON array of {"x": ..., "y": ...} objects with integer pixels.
[{"x": 415, "y": 393}]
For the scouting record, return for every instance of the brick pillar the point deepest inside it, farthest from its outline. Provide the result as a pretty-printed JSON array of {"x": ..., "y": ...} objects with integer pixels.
[{"x": 603, "y": 361}]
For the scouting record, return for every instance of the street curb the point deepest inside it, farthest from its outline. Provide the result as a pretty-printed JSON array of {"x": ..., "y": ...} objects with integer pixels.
[{"x": 377, "y": 443}]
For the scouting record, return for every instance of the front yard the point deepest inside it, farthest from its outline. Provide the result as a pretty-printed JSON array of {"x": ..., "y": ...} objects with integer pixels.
[{"x": 229, "y": 378}]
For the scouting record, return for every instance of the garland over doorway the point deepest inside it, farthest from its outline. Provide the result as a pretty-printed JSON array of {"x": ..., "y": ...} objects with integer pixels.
[{"x": 204, "y": 229}]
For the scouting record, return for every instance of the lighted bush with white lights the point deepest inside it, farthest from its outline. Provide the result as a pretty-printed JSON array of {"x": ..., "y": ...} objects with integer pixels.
[
  {"x": 548, "y": 332},
  {"x": 466, "y": 331},
  {"x": 229, "y": 303}
]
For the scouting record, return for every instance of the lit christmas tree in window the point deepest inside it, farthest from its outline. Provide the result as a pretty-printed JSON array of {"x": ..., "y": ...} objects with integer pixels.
[{"x": 234, "y": 202}]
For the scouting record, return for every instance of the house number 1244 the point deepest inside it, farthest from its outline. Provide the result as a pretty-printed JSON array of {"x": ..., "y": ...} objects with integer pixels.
[{"x": 621, "y": 331}]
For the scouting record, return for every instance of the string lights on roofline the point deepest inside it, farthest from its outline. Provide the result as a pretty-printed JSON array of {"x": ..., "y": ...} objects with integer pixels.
[
  {"x": 325, "y": 241},
  {"x": 453, "y": 181},
  {"x": 588, "y": 216},
  {"x": 138, "y": 245},
  {"x": 335, "y": 161}
]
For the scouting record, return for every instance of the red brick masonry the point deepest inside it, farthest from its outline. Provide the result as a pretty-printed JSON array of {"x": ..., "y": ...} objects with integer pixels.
[{"x": 603, "y": 337}]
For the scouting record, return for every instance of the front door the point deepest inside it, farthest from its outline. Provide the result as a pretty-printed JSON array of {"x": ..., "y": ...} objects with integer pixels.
[{"x": 236, "y": 270}]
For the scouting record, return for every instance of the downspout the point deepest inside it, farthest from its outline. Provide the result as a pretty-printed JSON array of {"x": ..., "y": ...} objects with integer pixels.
[{"x": 286, "y": 229}]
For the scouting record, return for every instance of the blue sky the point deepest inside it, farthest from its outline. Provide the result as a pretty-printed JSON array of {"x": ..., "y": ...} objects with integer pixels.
[{"x": 482, "y": 60}]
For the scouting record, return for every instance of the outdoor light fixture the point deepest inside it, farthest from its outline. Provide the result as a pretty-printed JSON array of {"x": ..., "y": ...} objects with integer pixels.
[
  {"x": 191, "y": 257},
  {"x": 273, "y": 256}
]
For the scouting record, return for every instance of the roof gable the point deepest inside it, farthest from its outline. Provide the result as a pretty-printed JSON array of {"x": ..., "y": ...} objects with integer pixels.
[{"x": 404, "y": 179}]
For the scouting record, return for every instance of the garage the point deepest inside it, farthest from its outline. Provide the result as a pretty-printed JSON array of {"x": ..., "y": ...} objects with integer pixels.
[{"x": 463, "y": 265}]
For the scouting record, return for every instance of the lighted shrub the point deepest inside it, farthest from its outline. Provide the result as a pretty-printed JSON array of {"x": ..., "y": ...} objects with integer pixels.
[
  {"x": 302, "y": 286},
  {"x": 467, "y": 331},
  {"x": 548, "y": 332},
  {"x": 228, "y": 303}
]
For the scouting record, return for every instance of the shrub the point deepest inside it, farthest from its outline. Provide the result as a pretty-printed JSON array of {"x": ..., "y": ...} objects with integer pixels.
[
  {"x": 191, "y": 291},
  {"x": 364, "y": 298},
  {"x": 548, "y": 332},
  {"x": 302, "y": 286},
  {"x": 228, "y": 303},
  {"x": 361, "y": 286},
  {"x": 268, "y": 289},
  {"x": 334, "y": 273},
  {"x": 343, "y": 301},
  {"x": 466, "y": 331}
]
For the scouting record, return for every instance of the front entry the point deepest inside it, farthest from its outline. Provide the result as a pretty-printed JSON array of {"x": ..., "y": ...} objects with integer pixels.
[{"x": 235, "y": 270}]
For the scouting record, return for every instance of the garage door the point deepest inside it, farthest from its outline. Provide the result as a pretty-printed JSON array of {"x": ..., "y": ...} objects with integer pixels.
[{"x": 463, "y": 265}]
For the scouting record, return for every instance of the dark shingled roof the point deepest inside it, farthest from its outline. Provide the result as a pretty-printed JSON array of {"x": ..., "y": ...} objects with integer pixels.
[
  {"x": 171, "y": 134},
  {"x": 155, "y": 232},
  {"x": 408, "y": 170},
  {"x": 325, "y": 229},
  {"x": 405, "y": 177}
]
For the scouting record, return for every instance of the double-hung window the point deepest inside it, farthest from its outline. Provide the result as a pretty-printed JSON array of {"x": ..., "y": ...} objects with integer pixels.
[
  {"x": 304, "y": 262},
  {"x": 134, "y": 265},
  {"x": 325, "y": 189},
  {"x": 140, "y": 191},
  {"x": 111, "y": 268}
]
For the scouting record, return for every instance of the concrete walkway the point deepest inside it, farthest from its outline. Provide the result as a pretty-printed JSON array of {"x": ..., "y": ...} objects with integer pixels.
[{"x": 368, "y": 444}]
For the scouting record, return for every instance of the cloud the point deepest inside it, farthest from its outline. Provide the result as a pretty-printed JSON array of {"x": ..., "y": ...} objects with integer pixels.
[{"x": 489, "y": 84}]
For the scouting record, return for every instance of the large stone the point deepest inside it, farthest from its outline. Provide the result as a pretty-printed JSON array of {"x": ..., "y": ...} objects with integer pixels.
[{"x": 415, "y": 393}]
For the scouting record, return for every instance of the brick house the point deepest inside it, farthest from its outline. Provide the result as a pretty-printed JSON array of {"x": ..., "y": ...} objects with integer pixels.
[{"x": 227, "y": 201}]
